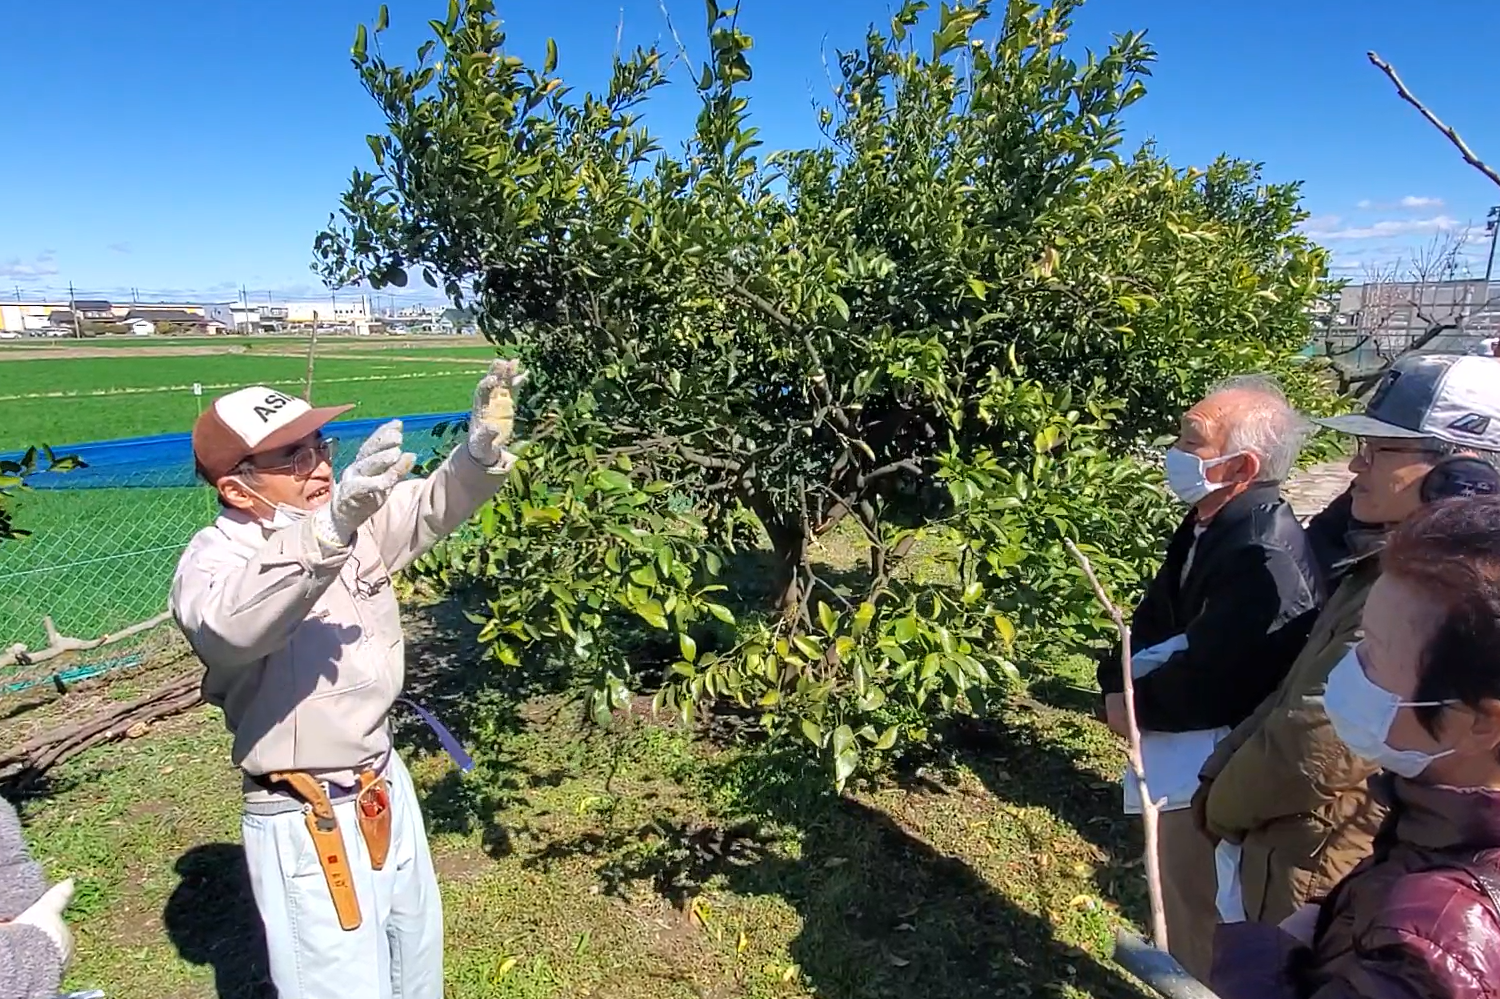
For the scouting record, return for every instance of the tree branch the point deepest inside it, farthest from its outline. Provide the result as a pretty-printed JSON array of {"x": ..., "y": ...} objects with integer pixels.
[
  {"x": 58, "y": 644},
  {"x": 1149, "y": 807},
  {"x": 1448, "y": 130}
]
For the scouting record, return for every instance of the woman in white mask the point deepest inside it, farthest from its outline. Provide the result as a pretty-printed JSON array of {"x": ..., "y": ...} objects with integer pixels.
[{"x": 1419, "y": 696}]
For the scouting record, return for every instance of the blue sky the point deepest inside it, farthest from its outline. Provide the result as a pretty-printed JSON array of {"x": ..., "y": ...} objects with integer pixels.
[{"x": 185, "y": 149}]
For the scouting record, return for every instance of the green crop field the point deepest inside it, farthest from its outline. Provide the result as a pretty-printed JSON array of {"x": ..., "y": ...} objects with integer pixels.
[{"x": 74, "y": 400}]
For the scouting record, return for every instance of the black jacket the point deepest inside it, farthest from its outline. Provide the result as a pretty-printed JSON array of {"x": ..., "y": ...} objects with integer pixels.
[{"x": 1249, "y": 600}]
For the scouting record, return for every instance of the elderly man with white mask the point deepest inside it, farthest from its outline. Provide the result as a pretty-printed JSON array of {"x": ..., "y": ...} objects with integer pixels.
[
  {"x": 287, "y": 599},
  {"x": 1219, "y": 625}
]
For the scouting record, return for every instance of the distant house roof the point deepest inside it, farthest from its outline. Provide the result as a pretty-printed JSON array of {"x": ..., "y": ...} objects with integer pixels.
[
  {"x": 92, "y": 305},
  {"x": 62, "y": 317},
  {"x": 166, "y": 316}
]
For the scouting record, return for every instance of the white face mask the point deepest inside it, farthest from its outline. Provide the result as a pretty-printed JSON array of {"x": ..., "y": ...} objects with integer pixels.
[
  {"x": 1187, "y": 475},
  {"x": 1362, "y": 713},
  {"x": 281, "y": 514}
]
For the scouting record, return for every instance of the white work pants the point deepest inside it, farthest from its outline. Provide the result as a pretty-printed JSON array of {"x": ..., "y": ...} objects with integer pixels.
[{"x": 396, "y": 952}]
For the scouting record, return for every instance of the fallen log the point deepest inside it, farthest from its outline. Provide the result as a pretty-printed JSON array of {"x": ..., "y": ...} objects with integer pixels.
[{"x": 32, "y": 759}]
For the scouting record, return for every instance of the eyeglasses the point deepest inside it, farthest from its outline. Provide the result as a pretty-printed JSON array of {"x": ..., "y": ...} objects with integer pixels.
[
  {"x": 1369, "y": 450},
  {"x": 305, "y": 460}
]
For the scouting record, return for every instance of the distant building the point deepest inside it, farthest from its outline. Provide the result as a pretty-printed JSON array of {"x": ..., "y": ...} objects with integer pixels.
[
  {"x": 336, "y": 313},
  {"x": 159, "y": 316},
  {"x": 1393, "y": 314}
]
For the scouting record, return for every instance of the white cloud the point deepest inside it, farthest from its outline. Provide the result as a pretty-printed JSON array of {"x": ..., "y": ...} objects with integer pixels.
[
  {"x": 1328, "y": 227},
  {"x": 40, "y": 266},
  {"x": 119, "y": 247},
  {"x": 1411, "y": 201}
]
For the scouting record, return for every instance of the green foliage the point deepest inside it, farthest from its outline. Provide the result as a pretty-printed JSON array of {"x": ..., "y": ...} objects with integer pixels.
[
  {"x": 956, "y": 323},
  {"x": 13, "y": 476}
]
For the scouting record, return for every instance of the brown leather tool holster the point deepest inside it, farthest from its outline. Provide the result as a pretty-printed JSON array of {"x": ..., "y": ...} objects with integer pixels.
[
  {"x": 373, "y": 805},
  {"x": 323, "y": 826}
]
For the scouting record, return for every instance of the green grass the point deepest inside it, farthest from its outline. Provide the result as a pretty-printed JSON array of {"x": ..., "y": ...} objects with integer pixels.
[
  {"x": 262, "y": 343},
  {"x": 638, "y": 863},
  {"x": 97, "y": 559},
  {"x": 99, "y": 405}
]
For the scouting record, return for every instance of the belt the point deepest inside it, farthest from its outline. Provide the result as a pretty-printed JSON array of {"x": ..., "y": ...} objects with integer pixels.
[
  {"x": 337, "y": 793},
  {"x": 340, "y": 793}
]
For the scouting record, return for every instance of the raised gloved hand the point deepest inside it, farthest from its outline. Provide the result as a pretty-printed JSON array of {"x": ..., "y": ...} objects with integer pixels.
[
  {"x": 46, "y": 915},
  {"x": 364, "y": 487},
  {"x": 493, "y": 420}
]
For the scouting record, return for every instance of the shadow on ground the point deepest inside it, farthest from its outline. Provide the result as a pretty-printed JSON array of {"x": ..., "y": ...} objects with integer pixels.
[
  {"x": 211, "y": 919},
  {"x": 883, "y": 913}
]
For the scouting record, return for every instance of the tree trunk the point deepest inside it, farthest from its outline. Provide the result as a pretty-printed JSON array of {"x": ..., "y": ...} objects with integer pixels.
[{"x": 789, "y": 550}]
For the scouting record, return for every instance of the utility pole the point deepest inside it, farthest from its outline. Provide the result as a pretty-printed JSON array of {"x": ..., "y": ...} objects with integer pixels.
[
  {"x": 312, "y": 347},
  {"x": 73, "y": 311},
  {"x": 1491, "y": 226}
]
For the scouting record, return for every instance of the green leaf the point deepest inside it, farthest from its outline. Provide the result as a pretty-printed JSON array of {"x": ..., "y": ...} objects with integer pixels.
[
  {"x": 550, "y": 62},
  {"x": 1005, "y": 629},
  {"x": 978, "y": 287},
  {"x": 720, "y": 611},
  {"x": 688, "y": 646},
  {"x": 382, "y": 18},
  {"x": 360, "y": 41},
  {"x": 887, "y": 738},
  {"x": 807, "y": 647},
  {"x": 839, "y": 305},
  {"x": 812, "y": 732},
  {"x": 862, "y": 618},
  {"x": 828, "y": 618},
  {"x": 652, "y": 612},
  {"x": 845, "y": 755}
]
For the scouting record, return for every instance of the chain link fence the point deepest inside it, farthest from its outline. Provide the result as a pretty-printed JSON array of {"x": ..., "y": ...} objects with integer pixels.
[{"x": 106, "y": 538}]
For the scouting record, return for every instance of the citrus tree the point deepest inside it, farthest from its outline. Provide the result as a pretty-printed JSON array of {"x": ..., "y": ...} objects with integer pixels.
[{"x": 951, "y": 327}]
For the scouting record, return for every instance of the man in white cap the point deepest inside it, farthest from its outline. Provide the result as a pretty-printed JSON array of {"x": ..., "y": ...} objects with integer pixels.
[{"x": 287, "y": 599}]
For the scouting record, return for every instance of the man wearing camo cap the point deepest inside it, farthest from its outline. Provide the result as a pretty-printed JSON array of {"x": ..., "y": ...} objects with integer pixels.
[{"x": 287, "y": 599}]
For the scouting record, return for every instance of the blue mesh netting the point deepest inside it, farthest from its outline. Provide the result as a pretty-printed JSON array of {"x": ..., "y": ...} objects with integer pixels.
[{"x": 106, "y": 538}]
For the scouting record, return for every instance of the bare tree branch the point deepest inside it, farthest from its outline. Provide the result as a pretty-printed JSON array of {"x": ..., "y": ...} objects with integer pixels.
[
  {"x": 58, "y": 643},
  {"x": 1453, "y": 136},
  {"x": 1150, "y": 810}
]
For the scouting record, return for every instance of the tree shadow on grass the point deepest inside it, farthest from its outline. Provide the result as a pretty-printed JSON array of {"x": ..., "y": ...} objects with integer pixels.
[
  {"x": 480, "y": 702},
  {"x": 211, "y": 919},
  {"x": 1032, "y": 757},
  {"x": 883, "y": 913}
]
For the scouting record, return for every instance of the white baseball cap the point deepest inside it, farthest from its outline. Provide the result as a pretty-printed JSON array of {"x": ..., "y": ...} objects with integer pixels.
[
  {"x": 253, "y": 421},
  {"x": 1447, "y": 397}
]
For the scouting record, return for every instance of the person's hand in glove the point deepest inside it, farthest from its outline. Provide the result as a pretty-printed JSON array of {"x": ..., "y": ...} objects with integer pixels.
[
  {"x": 46, "y": 915},
  {"x": 493, "y": 421},
  {"x": 364, "y": 487}
]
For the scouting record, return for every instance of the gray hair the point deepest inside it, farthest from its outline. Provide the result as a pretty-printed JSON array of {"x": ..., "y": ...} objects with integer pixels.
[{"x": 1270, "y": 428}]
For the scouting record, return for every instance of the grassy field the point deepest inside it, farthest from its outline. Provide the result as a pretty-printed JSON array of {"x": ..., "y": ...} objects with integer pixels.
[
  {"x": 639, "y": 863},
  {"x": 67, "y": 401}
]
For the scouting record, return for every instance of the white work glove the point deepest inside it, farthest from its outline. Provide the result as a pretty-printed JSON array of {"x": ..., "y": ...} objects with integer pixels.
[
  {"x": 364, "y": 487},
  {"x": 493, "y": 420},
  {"x": 46, "y": 915}
]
